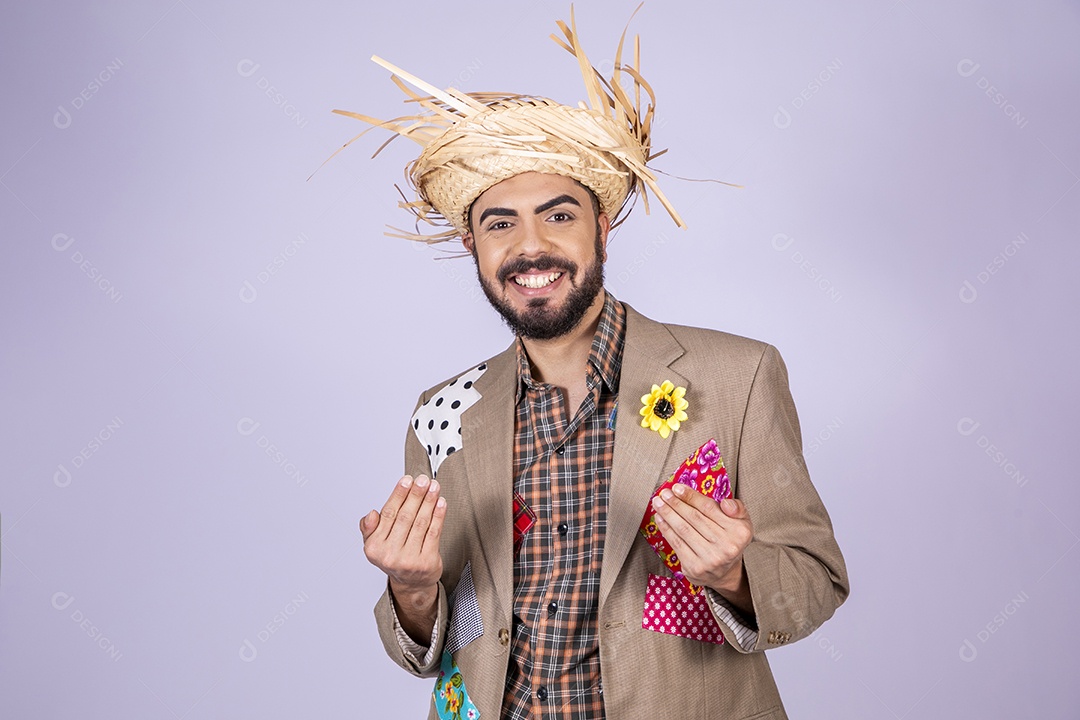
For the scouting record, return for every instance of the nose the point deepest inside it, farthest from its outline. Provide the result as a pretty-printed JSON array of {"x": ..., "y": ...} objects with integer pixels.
[{"x": 532, "y": 240}]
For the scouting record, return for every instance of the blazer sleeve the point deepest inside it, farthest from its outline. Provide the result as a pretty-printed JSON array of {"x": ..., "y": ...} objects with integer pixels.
[
  {"x": 396, "y": 642},
  {"x": 796, "y": 571}
]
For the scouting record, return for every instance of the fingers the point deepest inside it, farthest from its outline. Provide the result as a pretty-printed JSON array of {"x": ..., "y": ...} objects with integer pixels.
[
  {"x": 401, "y": 508},
  {"x": 734, "y": 509},
  {"x": 704, "y": 505},
  {"x": 403, "y": 539},
  {"x": 685, "y": 542},
  {"x": 706, "y": 538},
  {"x": 681, "y": 511},
  {"x": 392, "y": 508},
  {"x": 422, "y": 521},
  {"x": 411, "y": 519},
  {"x": 730, "y": 508},
  {"x": 434, "y": 533}
]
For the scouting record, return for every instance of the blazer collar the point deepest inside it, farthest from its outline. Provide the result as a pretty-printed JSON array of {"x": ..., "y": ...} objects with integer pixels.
[
  {"x": 487, "y": 434},
  {"x": 641, "y": 455}
]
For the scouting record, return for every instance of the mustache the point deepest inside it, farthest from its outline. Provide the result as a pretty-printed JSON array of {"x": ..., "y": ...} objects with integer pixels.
[{"x": 540, "y": 264}]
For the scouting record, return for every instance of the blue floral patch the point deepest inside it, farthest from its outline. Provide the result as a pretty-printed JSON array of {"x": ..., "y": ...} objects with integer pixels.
[{"x": 450, "y": 696}]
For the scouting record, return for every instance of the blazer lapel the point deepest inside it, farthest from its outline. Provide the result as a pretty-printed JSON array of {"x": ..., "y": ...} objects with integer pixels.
[
  {"x": 487, "y": 434},
  {"x": 487, "y": 430},
  {"x": 640, "y": 454}
]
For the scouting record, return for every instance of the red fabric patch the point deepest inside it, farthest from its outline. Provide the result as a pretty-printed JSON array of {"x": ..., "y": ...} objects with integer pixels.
[{"x": 524, "y": 519}]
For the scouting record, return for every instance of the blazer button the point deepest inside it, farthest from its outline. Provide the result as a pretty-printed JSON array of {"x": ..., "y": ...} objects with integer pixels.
[{"x": 504, "y": 636}]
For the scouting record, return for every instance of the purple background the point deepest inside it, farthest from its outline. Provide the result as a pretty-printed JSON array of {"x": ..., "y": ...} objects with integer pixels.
[{"x": 178, "y": 299}]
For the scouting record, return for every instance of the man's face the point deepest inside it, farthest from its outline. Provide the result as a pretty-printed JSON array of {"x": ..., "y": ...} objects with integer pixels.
[{"x": 540, "y": 250}]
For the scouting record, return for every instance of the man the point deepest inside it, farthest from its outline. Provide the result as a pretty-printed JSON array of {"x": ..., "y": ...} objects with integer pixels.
[{"x": 517, "y": 572}]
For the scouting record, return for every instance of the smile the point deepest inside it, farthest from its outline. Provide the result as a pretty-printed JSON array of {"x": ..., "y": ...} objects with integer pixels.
[{"x": 537, "y": 281}]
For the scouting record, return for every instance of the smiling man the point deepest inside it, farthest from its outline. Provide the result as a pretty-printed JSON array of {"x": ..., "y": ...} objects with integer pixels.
[
  {"x": 533, "y": 246},
  {"x": 611, "y": 518}
]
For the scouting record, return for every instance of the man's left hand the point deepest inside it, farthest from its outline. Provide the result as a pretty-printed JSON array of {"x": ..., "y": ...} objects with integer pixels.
[{"x": 709, "y": 538}]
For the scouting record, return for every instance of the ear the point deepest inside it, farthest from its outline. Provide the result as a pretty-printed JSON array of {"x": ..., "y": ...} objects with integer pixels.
[
  {"x": 467, "y": 241},
  {"x": 605, "y": 227}
]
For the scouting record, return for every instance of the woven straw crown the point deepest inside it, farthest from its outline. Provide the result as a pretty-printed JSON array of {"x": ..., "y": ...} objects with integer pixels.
[
  {"x": 457, "y": 168},
  {"x": 472, "y": 141}
]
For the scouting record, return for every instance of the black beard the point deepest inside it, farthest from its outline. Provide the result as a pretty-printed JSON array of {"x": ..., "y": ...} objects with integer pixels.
[{"x": 539, "y": 321}]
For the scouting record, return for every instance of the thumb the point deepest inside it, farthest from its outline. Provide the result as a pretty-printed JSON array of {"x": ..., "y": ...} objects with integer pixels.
[
  {"x": 368, "y": 523},
  {"x": 733, "y": 508}
]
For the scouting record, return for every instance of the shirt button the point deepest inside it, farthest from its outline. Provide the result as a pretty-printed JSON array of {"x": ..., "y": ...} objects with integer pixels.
[
  {"x": 560, "y": 450},
  {"x": 504, "y": 636},
  {"x": 541, "y": 694},
  {"x": 553, "y": 608},
  {"x": 563, "y": 529}
]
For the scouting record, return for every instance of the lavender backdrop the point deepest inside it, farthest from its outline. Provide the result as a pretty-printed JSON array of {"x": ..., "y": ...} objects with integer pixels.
[{"x": 208, "y": 362}]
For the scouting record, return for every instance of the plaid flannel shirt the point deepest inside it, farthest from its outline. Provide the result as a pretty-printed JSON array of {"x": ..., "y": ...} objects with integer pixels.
[{"x": 562, "y": 471}]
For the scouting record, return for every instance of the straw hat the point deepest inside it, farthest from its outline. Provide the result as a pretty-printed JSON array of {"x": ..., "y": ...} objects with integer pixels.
[{"x": 472, "y": 141}]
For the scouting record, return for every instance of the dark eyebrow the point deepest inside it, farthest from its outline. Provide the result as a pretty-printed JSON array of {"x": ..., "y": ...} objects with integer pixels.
[
  {"x": 507, "y": 212},
  {"x": 556, "y": 201},
  {"x": 497, "y": 211}
]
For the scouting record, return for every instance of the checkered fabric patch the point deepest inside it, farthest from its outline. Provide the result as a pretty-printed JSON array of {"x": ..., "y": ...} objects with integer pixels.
[{"x": 465, "y": 622}]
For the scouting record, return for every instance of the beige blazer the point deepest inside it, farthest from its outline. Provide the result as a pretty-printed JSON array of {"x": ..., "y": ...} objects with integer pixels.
[{"x": 738, "y": 394}]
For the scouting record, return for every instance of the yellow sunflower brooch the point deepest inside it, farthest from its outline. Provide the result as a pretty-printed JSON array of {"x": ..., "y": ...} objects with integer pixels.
[{"x": 665, "y": 407}]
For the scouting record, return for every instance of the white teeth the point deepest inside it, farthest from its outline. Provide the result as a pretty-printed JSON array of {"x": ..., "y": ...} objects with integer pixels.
[{"x": 536, "y": 281}]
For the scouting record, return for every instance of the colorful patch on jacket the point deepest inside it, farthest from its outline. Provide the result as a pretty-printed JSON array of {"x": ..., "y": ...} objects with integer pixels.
[
  {"x": 465, "y": 622},
  {"x": 524, "y": 519},
  {"x": 437, "y": 423},
  {"x": 451, "y": 699},
  {"x": 671, "y": 609},
  {"x": 703, "y": 471}
]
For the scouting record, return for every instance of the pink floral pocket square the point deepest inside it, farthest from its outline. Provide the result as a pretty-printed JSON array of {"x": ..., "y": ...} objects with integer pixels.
[
  {"x": 671, "y": 609},
  {"x": 703, "y": 471}
]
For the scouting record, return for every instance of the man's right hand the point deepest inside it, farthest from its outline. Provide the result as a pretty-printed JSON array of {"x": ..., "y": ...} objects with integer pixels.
[{"x": 403, "y": 541}]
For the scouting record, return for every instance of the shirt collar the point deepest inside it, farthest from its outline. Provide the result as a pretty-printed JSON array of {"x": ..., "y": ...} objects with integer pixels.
[{"x": 605, "y": 356}]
